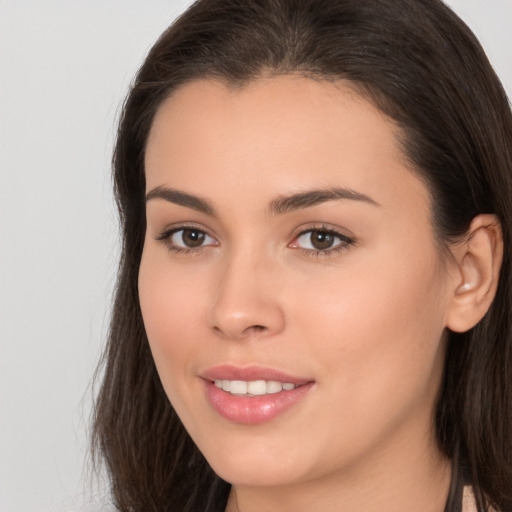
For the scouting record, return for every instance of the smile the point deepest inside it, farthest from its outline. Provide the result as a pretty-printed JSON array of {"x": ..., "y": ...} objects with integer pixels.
[
  {"x": 253, "y": 387},
  {"x": 253, "y": 395}
]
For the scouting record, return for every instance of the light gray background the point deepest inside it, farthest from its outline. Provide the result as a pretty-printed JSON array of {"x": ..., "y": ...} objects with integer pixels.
[{"x": 64, "y": 69}]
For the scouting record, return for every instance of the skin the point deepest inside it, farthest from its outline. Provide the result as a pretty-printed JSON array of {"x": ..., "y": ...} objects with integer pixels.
[{"x": 367, "y": 323}]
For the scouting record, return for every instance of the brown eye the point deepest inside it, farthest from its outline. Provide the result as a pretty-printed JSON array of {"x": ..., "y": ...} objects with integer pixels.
[
  {"x": 192, "y": 237},
  {"x": 322, "y": 240},
  {"x": 188, "y": 238}
]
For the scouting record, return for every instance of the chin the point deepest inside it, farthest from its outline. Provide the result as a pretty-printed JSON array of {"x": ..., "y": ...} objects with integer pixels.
[
  {"x": 264, "y": 474},
  {"x": 248, "y": 461}
]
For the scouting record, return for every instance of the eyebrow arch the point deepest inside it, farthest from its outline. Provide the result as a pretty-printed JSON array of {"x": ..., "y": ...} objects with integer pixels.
[
  {"x": 182, "y": 198},
  {"x": 314, "y": 197}
]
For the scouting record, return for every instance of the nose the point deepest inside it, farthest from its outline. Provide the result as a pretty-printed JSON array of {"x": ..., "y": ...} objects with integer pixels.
[{"x": 246, "y": 302}]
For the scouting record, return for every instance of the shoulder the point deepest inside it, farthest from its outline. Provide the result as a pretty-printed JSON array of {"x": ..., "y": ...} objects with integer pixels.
[{"x": 469, "y": 501}]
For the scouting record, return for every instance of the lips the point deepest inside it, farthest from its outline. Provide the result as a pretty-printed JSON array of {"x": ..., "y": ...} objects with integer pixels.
[{"x": 254, "y": 394}]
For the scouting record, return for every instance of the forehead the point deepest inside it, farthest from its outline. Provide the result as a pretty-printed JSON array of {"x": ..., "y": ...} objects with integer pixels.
[
  {"x": 283, "y": 109},
  {"x": 276, "y": 135}
]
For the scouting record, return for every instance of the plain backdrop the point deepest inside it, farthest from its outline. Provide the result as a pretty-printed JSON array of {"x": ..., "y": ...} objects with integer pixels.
[{"x": 64, "y": 70}]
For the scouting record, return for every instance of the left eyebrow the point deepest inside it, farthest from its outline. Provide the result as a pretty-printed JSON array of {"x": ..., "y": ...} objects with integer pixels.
[{"x": 315, "y": 197}]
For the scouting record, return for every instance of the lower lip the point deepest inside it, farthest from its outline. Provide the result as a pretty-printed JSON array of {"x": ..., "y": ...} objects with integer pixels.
[{"x": 251, "y": 410}]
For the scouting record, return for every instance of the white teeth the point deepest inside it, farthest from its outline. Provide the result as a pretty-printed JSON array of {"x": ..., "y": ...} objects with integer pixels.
[
  {"x": 239, "y": 387},
  {"x": 274, "y": 387},
  {"x": 253, "y": 387},
  {"x": 257, "y": 387}
]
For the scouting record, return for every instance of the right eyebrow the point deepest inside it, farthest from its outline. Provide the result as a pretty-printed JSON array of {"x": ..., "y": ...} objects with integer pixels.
[{"x": 181, "y": 198}]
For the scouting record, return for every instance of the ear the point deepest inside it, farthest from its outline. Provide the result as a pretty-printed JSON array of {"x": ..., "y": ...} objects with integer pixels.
[{"x": 477, "y": 267}]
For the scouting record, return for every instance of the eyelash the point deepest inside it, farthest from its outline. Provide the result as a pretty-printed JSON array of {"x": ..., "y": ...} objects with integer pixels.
[
  {"x": 165, "y": 238},
  {"x": 344, "y": 244}
]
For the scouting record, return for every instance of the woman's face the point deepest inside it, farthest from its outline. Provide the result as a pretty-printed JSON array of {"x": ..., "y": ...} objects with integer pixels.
[{"x": 288, "y": 243}]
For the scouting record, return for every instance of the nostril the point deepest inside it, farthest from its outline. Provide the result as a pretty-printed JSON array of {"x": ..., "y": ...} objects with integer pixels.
[
  {"x": 257, "y": 328},
  {"x": 254, "y": 329}
]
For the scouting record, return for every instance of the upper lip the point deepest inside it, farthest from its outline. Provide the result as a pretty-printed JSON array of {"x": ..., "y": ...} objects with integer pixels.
[{"x": 250, "y": 373}]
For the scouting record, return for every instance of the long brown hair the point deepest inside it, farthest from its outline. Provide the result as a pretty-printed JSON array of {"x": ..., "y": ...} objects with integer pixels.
[{"x": 420, "y": 65}]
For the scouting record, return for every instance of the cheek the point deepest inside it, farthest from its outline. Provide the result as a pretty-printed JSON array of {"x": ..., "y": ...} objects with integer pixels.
[
  {"x": 377, "y": 330},
  {"x": 170, "y": 301},
  {"x": 165, "y": 303}
]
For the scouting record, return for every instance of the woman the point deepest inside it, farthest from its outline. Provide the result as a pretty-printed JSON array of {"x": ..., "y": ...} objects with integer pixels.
[{"x": 313, "y": 305}]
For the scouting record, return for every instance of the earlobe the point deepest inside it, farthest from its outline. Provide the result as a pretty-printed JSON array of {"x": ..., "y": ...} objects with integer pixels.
[{"x": 478, "y": 261}]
